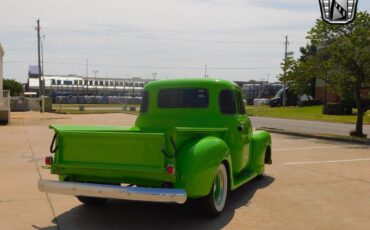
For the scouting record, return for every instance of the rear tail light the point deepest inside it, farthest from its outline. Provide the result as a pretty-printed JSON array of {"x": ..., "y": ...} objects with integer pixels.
[
  {"x": 49, "y": 160},
  {"x": 170, "y": 169}
]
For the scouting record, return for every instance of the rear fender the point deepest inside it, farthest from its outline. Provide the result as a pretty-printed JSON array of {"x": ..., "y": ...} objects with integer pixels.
[
  {"x": 261, "y": 141},
  {"x": 197, "y": 162}
]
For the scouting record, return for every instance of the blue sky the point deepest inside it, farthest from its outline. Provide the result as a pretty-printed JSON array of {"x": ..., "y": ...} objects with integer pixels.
[{"x": 236, "y": 39}]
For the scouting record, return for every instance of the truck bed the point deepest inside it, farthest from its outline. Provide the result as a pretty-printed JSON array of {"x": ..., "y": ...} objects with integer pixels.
[{"x": 109, "y": 154}]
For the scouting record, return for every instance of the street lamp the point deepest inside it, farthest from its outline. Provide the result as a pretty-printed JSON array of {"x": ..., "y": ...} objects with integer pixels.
[
  {"x": 154, "y": 75},
  {"x": 95, "y": 72}
]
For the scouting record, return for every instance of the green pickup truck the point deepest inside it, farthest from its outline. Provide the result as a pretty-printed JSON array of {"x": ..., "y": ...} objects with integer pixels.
[{"x": 192, "y": 140}]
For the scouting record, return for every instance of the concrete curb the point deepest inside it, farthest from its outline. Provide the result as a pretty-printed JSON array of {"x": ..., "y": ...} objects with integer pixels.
[{"x": 330, "y": 137}]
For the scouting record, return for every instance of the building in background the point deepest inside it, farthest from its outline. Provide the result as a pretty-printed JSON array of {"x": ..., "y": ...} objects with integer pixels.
[
  {"x": 83, "y": 88},
  {"x": 326, "y": 94},
  {"x": 80, "y": 89}
]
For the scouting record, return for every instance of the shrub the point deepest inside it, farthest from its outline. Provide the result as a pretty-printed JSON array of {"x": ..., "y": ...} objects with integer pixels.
[
  {"x": 334, "y": 109},
  {"x": 309, "y": 103}
]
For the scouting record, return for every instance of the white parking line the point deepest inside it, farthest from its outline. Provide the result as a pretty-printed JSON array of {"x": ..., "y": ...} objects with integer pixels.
[
  {"x": 320, "y": 162},
  {"x": 314, "y": 147}
]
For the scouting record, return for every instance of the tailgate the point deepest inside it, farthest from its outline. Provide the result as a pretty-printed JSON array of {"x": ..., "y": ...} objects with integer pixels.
[{"x": 111, "y": 154}]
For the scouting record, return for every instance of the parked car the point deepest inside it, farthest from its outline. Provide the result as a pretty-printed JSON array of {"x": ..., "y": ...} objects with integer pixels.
[
  {"x": 192, "y": 140},
  {"x": 291, "y": 98}
]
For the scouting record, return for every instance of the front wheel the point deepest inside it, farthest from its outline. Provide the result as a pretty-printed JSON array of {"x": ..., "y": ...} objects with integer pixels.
[{"x": 214, "y": 202}]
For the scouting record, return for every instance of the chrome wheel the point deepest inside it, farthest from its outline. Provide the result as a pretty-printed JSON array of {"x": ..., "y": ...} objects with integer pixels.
[{"x": 220, "y": 188}]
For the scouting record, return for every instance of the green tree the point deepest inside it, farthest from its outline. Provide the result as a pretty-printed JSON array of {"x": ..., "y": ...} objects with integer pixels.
[
  {"x": 15, "y": 87},
  {"x": 347, "y": 62},
  {"x": 300, "y": 75},
  {"x": 308, "y": 54},
  {"x": 287, "y": 66}
]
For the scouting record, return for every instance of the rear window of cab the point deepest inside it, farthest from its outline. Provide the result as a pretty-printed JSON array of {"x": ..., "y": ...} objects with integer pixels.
[
  {"x": 183, "y": 98},
  {"x": 231, "y": 102}
]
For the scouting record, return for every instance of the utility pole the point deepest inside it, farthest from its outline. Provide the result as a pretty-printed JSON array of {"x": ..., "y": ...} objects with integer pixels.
[
  {"x": 42, "y": 69},
  {"x": 41, "y": 84},
  {"x": 39, "y": 56},
  {"x": 285, "y": 59},
  {"x": 42, "y": 65}
]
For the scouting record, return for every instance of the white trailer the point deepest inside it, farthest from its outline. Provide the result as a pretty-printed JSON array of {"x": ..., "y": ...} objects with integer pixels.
[{"x": 4, "y": 94}]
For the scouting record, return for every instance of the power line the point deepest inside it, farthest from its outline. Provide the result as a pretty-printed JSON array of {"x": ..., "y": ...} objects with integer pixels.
[
  {"x": 64, "y": 50},
  {"x": 20, "y": 49},
  {"x": 147, "y": 67},
  {"x": 242, "y": 68},
  {"x": 170, "y": 38},
  {"x": 18, "y": 62},
  {"x": 160, "y": 67},
  {"x": 117, "y": 27}
]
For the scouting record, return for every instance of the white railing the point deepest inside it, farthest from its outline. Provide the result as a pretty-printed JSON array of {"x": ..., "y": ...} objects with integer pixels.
[{"x": 5, "y": 99}]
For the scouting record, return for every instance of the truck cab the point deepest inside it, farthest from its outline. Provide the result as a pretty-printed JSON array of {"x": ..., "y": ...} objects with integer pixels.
[{"x": 191, "y": 140}]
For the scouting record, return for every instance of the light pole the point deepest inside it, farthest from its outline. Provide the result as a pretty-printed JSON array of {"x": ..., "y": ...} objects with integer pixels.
[
  {"x": 154, "y": 75},
  {"x": 87, "y": 77},
  {"x": 95, "y": 82},
  {"x": 205, "y": 71}
]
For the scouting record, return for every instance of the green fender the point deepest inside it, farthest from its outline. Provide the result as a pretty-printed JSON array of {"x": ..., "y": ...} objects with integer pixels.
[
  {"x": 197, "y": 162},
  {"x": 261, "y": 140}
]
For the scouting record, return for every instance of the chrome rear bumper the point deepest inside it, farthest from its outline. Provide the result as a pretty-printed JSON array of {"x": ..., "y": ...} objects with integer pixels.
[{"x": 167, "y": 195}]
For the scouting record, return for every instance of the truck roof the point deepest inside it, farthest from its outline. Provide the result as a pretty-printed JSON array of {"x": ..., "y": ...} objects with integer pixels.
[{"x": 190, "y": 82}]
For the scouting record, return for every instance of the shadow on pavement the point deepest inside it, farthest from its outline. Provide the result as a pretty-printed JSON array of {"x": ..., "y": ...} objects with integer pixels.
[
  {"x": 346, "y": 144},
  {"x": 117, "y": 214}
]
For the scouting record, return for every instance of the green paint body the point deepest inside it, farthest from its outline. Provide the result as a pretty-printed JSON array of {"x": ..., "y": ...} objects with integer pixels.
[{"x": 194, "y": 140}]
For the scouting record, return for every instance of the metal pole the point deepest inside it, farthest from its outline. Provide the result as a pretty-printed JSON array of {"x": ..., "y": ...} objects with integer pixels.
[
  {"x": 87, "y": 76},
  {"x": 154, "y": 75},
  {"x": 78, "y": 99},
  {"x": 285, "y": 59},
  {"x": 39, "y": 55},
  {"x": 42, "y": 68},
  {"x": 106, "y": 85},
  {"x": 95, "y": 82}
]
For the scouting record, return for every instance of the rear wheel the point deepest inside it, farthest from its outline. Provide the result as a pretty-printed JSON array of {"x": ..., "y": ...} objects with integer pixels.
[
  {"x": 267, "y": 160},
  {"x": 214, "y": 203},
  {"x": 91, "y": 200}
]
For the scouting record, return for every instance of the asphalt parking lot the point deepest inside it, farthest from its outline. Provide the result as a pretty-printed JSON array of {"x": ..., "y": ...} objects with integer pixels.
[{"x": 312, "y": 184}]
